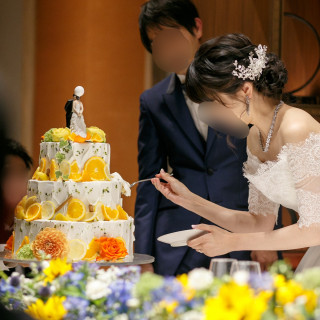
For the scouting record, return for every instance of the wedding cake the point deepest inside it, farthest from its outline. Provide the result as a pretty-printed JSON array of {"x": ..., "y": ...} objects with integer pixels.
[{"x": 73, "y": 207}]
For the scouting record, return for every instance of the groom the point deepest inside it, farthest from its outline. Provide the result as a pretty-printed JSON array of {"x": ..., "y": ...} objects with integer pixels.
[{"x": 172, "y": 137}]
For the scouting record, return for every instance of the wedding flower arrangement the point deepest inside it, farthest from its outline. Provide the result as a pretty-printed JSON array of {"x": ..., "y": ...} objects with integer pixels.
[{"x": 59, "y": 290}]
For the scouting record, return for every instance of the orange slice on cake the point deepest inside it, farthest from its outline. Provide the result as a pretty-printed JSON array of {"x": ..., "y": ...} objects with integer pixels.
[
  {"x": 76, "y": 210},
  {"x": 94, "y": 169},
  {"x": 33, "y": 212},
  {"x": 24, "y": 242},
  {"x": 53, "y": 168},
  {"x": 30, "y": 201},
  {"x": 122, "y": 214},
  {"x": 110, "y": 214},
  {"x": 93, "y": 250},
  {"x": 75, "y": 173}
]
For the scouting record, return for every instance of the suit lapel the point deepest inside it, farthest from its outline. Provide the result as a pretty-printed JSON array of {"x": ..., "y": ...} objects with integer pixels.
[
  {"x": 177, "y": 105},
  {"x": 212, "y": 136}
]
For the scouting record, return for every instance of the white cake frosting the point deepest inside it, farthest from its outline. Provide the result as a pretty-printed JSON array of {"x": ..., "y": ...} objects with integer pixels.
[
  {"x": 80, "y": 152},
  {"x": 78, "y": 230},
  {"x": 90, "y": 193}
]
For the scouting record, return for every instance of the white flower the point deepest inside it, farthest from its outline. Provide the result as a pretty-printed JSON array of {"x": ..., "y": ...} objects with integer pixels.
[
  {"x": 200, "y": 279},
  {"x": 107, "y": 276},
  {"x": 122, "y": 316},
  {"x": 27, "y": 299},
  {"x": 192, "y": 315},
  {"x": 133, "y": 303},
  {"x": 96, "y": 289},
  {"x": 241, "y": 277}
]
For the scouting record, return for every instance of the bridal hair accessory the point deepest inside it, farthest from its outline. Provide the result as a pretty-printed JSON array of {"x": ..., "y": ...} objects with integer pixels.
[{"x": 255, "y": 67}]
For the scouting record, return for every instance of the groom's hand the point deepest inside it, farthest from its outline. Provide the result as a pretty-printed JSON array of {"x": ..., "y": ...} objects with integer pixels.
[{"x": 265, "y": 258}]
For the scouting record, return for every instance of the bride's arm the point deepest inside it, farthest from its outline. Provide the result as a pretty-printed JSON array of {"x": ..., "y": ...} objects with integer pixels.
[
  {"x": 232, "y": 220},
  {"x": 217, "y": 241}
]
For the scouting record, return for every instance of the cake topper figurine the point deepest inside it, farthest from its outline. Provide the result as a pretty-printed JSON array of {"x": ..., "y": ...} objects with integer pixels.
[{"x": 74, "y": 113}]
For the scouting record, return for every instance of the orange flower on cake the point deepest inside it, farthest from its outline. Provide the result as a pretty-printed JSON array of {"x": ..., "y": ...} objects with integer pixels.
[
  {"x": 111, "y": 248},
  {"x": 51, "y": 242}
]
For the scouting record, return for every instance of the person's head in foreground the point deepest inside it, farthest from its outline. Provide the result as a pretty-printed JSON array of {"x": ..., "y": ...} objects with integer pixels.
[
  {"x": 170, "y": 30},
  {"x": 230, "y": 77},
  {"x": 16, "y": 172}
]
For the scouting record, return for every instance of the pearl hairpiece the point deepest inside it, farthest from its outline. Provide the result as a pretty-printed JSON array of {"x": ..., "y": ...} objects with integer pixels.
[{"x": 255, "y": 67}]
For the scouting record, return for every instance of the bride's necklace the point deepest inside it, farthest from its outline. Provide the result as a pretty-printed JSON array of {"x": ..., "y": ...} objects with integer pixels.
[{"x": 266, "y": 148}]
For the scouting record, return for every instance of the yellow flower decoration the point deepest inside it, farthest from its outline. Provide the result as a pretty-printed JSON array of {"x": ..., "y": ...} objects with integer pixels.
[
  {"x": 60, "y": 133},
  {"x": 53, "y": 309},
  {"x": 56, "y": 268},
  {"x": 236, "y": 302},
  {"x": 189, "y": 292}
]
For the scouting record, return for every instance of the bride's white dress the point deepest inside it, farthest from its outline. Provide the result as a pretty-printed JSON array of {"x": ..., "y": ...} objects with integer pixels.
[
  {"x": 293, "y": 180},
  {"x": 77, "y": 124}
]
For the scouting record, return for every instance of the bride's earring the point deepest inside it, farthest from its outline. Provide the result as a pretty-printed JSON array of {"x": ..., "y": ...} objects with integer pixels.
[{"x": 247, "y": 105}]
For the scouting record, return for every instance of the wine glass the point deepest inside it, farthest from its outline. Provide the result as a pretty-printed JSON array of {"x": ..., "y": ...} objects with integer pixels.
[
  {"x": 249, "y": 266},
  {"x": 222, "y": 266}
]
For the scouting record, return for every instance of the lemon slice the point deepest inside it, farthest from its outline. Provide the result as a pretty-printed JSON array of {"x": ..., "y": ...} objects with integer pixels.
[
  {"x": 77, "y": 249},
  {"x": 65, "y": 168},
  {"x": 99, "y": 209},
  {"x": 90, "y": 216},
  {"x": 23, "y": 201},
  {"x": 76, "y": 210},
  {"x": 30, "y": 201},
  {"x": 41, "y": 176},
  {"x": 60, "y": 217},
  {"x": 43, "y": 163},
  {"x": 47, "y": 211},
  {"x": 19, "y": 212},
  {"x": 34, "y": 177},
  {"x": 122, "y": 214},
  {"x": 33, "y": 212}
]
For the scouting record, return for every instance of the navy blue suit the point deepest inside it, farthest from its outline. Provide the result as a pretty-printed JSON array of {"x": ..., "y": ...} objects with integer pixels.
[{"x": 211, "y": 169}]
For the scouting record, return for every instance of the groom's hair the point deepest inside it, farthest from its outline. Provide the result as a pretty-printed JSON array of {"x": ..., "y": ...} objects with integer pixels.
[{"x": 169, "y": 13}]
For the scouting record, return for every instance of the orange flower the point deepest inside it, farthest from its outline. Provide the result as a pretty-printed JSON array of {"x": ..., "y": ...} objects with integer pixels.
[
  {"x": 51, "y": 242},
  {"x": 9, "y": 243},
  {"x": 111, "y": 249},
  {"x": 76, "y": 138}
]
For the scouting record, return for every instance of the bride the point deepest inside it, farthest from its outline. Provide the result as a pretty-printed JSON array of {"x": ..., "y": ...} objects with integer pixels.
[{"x": 239, "y": 85}]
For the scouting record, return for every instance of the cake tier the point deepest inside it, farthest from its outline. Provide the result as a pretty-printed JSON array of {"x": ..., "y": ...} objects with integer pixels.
[
  {"x": 84, "y": 231},
  {"x": 73, "y": 151},
  {"x": 90, "y": 193}
]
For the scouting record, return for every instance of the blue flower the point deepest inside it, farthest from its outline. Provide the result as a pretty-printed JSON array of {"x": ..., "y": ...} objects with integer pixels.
[
  {"x": 261, "y": 282},
  {"x": 121, "y": 292},
  {"x": 171, "y": 290},
  {"x": 77, "y": 307},
  {"x": 44, "y": 291}
]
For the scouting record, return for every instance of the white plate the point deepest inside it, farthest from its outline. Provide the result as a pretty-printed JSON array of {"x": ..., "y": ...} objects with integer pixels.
[{"x": 180, "y": 238}]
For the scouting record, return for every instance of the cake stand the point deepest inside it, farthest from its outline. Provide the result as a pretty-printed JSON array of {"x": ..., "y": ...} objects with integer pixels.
[{"x": 138, "y": 259}]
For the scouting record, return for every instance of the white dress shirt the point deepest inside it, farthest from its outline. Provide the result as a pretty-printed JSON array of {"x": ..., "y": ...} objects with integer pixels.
[{"x": 194, "y": 109}]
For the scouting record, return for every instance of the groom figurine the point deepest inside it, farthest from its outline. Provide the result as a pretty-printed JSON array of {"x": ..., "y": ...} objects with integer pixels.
[{"x": 172, "y": 137}]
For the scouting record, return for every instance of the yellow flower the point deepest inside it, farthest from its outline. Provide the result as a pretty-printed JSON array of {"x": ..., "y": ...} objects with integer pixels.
[
  {"x": 60, "y": 133},
  {"x": 169, "y": 306},
  {"x": 189, "y": 292},
  {"x": 53, "y": 309},
  {"x": 97, "y": 135},
  {"x": 235, "y": 302},
  {"x": 56, "y": 268}
]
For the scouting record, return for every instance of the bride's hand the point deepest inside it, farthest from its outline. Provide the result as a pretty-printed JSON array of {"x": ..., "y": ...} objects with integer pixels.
[
  {"x": 214, "y": 243},
  {"x": 172, "y": 189}
]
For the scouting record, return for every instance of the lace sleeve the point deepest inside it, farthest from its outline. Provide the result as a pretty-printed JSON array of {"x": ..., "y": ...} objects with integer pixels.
[
  {"x": 260, "y": 204},
  {"x": 304, "y": 164}
]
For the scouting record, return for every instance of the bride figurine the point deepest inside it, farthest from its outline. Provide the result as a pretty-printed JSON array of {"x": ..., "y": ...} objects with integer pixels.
[
  {"x": 239, "y": 84},
  {"x": 74, "y": 108}
]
